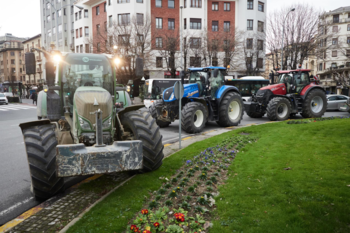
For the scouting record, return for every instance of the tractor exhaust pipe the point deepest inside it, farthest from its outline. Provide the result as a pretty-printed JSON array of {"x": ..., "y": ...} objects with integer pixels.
[{"x": 98, "y": 126}]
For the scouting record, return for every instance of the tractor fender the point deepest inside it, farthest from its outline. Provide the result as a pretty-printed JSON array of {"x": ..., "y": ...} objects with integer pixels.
[
  {"x": 223, "y": 90},
  {"x": 25, "y": 125},
  {"x": 128, "y": 109},
  {"x": 309, "y": 88}
]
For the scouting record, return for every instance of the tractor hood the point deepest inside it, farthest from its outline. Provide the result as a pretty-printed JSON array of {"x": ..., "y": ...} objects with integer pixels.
[
  {"x": 277, "y": 89},
  {"x": 190, "y": 90},
  {"x": 89, "y": 99}
]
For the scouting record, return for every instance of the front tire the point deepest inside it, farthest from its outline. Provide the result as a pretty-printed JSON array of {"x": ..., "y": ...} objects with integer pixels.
[
  {"x": 230, "y": 110},
  {"x": 315, "y": 104},
  {"x": 143, "y": 127},
  {"x": 153, "y": 111},
  {"x": 40, "y": 143},
  {"x": 193, "y": 117},
  {"x": 278, "y": 109}
]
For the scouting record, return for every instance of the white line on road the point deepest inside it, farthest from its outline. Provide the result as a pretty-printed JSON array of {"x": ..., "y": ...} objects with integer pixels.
[{"x": 15, "y": 206}]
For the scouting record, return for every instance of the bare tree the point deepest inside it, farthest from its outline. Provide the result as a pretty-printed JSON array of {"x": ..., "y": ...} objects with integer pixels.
[{"x": 253, "y": 52}]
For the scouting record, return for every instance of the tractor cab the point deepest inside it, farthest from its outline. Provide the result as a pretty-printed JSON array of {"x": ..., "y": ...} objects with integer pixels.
[{"x": 294, "y": 80}]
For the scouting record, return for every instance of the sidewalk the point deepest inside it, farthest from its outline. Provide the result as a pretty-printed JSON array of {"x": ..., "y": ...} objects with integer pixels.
[{"x": 27, "y": 102}]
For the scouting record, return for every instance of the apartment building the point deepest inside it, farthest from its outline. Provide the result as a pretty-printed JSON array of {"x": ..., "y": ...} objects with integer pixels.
[
  {"x": 11, "y": 59},
  {"x": 336, "y": 57},
  {"x": 38, "y": 78},
  {"x": 91, "y": 28}
]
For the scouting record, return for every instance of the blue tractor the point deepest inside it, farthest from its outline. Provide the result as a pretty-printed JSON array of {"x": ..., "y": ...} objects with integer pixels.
[{"x": 205, "y": 98}]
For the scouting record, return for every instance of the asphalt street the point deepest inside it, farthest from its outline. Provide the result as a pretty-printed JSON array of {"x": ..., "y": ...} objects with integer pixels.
[{"x": 15, "y": 195}]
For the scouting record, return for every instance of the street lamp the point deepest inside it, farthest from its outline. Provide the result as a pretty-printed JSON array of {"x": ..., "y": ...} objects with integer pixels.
[
  {"x": 293, "y": 9},
  {"x": 48, "y": 1}
]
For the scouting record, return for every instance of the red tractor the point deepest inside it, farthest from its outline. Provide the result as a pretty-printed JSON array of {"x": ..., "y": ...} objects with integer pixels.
[{"x": 295, "y": 92}]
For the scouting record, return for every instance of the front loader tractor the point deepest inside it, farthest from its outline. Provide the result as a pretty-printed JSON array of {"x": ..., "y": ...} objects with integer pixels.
[
  {"x": 205, "y": 98},
  {"x": 295, "y": 92},
  {"x": 88, "y": 128}
]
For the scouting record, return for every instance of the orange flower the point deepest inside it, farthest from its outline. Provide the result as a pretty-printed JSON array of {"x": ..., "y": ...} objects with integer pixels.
[
  {"x": 156, "y": 224},
  {"x": 179, "y": 217},
  {"x": 144, "y": 211},
  {"x": 146, "y": 231},
  {"x": 132, "y": 227}
]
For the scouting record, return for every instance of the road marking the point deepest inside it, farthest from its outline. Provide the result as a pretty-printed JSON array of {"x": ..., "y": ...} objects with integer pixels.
[
  {"x": 209, "y": 131},
  {"x": 231, "y": 127},
  {"x": 165, "y": 145},
  {"x": 250, "y": 124},
  {"x": 16, "y": 205},
  {"x": 186, "y": 138}
]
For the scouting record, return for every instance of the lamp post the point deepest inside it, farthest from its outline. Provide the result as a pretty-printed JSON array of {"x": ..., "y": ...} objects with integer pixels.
[
  {"x": 48, "y": 1},
  {"x": 293, "y": 9},
  {"x": 181, "y": 40}
]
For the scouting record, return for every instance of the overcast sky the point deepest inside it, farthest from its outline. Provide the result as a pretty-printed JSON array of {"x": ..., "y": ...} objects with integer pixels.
[{"x": 22, "y": 17}]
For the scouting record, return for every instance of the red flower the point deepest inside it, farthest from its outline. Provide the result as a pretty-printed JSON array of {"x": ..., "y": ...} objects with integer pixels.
[
  {"x": 136, "y": 229},
  {"x": 146, "y": 231},
  {"x": 179, "y": 217},
  {"x": 132, "y": 227},
  {"x": 156, "y": 224},
  {"x": 144, "y": 211}
]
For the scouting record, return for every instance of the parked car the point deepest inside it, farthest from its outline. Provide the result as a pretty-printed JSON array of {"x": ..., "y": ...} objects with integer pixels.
[
  {"x": 3, "y": 99},
  {"x": 335, "y": 101},
  {"x": 345, "y": 107}
]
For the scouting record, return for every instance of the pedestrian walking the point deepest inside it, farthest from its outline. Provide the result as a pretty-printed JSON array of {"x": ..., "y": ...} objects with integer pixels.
[{"x": 34, "y": 97}]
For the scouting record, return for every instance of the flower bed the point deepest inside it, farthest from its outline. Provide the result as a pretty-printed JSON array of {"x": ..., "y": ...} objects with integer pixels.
[{"x": 185, "y": 201}]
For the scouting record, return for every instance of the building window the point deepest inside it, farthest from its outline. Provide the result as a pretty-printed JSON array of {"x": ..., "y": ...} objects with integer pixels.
[
  {"x": 105, "y": 26},
  {"x": 53, "y": 16},
  {"x": 348, "y": 40},
  {"x": 215, "y": 26},
  {"x": 260, "y": 26},
  {"x": 227, "y": 6},
  {"x": 86, "y": 13},
  {"x": 215, "y": 6},
  {"x": 123, "y": 19},
  {"x": 159, "y": 23},
  {"x": 260, "y": 63},
  {"x": 76, "y": 33},
  {"x": 110, "y": 20},
  {"x": 97, "y": 10},
  {"x": 109, "y": 2},
  {"x": 348, "y": 52},
  {"x": 195, "y": 61},
  {"x": 260, "y": 44},
  {"x": 214, "y": 61},
  {"x": 171, "y": 24},
  {"x": 335, "y": 18},
  {"x": 76, "y": 16},
  {"x": 334, "y": 41},
  {"x": 99, "y": 47},
  {"x": 195, "y": 24},
  {"x": 227, "y": 26},
  {"x": 48, "y": 18},
  {"x": 12, "y": 61},
  {"x": 87, "y": 48},
  {"x": 159, "y": 42},
  {"x": 48, "y": 5},
  {"x": 81, "y": 48},
  {"x": 139, "y": 18},
  {"x": 86, "y": 30},
  {"x": 195, "y": 43},
  {"x": 79, "y": 14},
  {"x": 196, "y": 3},
  {"x": 60, "y": 28},
  {"x": 334, "y": 53},
  {"x": 98, "y": 28},
  {"x": 159, "y": 62},
  {"x": 123, "y": 1},
  {"x": 348, "y": 27},
  {"x": 123, "y": 39},
  {"x": 105, "y": 7},
  {"x": 158, "y": 3},
  {"x": 185, "y": 23},
  {"x": 59, "y": 13},
  {"x": 171, "y": 3},
  {"x": 335, "y": 29},
  {"x": 249, "y": 24},
  {"x": 250, "y": 4},
  {"x": 250, "y": 43},
  {"x": 81, "y": 32},
  {"x": 139, "y": 1},
  {"x": 261, "y": 6}
]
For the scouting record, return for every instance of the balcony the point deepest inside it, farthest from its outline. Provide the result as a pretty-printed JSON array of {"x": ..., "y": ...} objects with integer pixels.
[{"x": 347, "y": 20}]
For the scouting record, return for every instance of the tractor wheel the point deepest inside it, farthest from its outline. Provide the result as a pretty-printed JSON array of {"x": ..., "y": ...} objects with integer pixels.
[
  {"x": 193, "y": 117},
  {"x": 40, "y": 143},
  {"x": 142, "y": 126},
  {"x": 153, "y": 111},
  {"x": 231, "y": 110},
  {"x": 278, "y": 109},
  {"x": 256, "y": 114},
  {"x": 315, "y": 104}
]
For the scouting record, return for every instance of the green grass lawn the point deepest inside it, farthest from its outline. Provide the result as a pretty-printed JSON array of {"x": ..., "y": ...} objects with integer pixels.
[{"x": 260, "y": 195}]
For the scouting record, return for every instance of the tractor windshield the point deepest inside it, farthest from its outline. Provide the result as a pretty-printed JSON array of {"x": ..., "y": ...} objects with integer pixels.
[
  {"x": 195, "y": 76},
  {"x": 283, "y": 78}
]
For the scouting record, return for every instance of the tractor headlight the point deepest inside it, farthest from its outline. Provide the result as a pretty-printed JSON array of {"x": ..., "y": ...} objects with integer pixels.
[
  {"x": 171, "y": 96},
  {"x": 107, "y": 123},
  {"x": 84, "y": 124}
]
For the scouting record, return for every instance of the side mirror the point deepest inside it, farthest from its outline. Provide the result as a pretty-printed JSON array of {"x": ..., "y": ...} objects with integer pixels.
[
  {"x": 50, "y": 73},
  {"x": 139, "y": 67},
  {"x": 182, "y": 76},
  {"x": 30, "y": 63},
  {"x": 216, "y": 73}
]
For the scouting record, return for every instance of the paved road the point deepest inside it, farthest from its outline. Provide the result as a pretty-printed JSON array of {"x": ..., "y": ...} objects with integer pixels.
[{"x": 15, "y": 196}]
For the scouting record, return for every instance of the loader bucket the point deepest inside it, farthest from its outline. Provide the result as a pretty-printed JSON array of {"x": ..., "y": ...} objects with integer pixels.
[{"x": 77, "y": 159}]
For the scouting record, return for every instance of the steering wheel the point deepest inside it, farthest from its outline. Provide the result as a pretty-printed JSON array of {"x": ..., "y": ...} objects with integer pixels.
[{"x": 88, "y": 84}]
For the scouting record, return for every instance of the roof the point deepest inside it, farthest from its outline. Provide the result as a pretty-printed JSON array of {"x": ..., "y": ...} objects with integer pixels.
[
  {"x": 32, "y": 38},
  {"x": 340, "y": 10},
  {"x": 208, "y": 67},
  {"x": 290, "y": 71}
]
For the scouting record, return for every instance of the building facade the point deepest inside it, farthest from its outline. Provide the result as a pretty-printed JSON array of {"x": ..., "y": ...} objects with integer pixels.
[
  {"x": 335, "y": 61},
  {"x": 38, "y": 78}
]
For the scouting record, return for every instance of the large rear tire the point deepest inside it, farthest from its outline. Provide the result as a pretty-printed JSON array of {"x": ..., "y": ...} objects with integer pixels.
[
  {"x": 231, "y": 110},
  {"x": 278, "y": 109},
  {"x": 40, "y": 143},
  {"x": 315, "y": 104},
  {"x": 193, "y": 117},
  {"x": 143, "y": 127},
  {"x": 153, "y": 111},
  {"x": 256, "y": 114}
]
